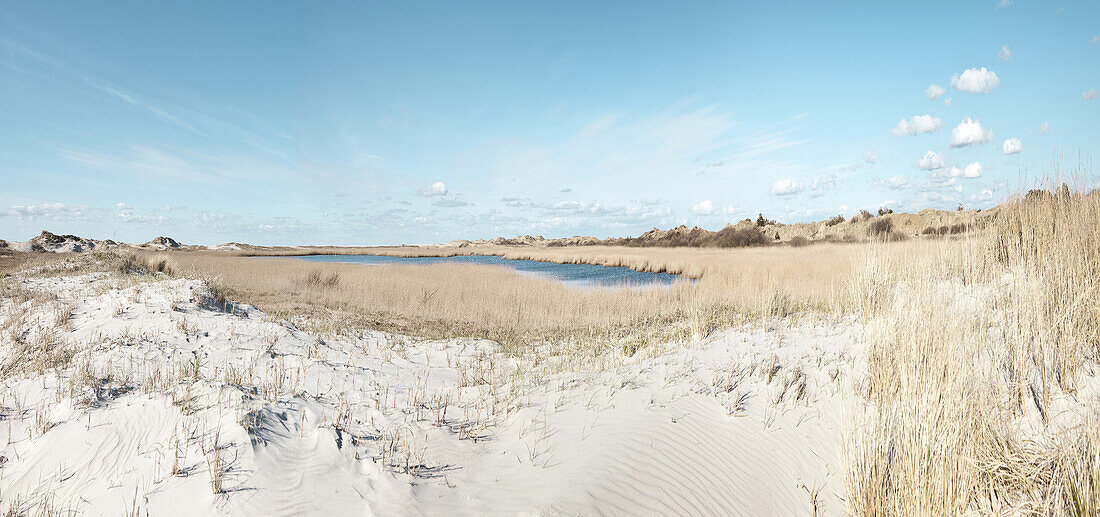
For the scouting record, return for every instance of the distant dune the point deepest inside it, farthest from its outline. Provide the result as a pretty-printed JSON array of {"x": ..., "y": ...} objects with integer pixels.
[{"x": 747, "y": 232}]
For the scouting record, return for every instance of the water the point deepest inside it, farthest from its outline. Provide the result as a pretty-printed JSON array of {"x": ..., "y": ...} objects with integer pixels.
[{"x": 571, "y": 274}]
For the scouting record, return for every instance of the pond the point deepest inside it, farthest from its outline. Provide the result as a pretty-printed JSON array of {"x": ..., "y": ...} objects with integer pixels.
[{"x": 580, "y": 275}]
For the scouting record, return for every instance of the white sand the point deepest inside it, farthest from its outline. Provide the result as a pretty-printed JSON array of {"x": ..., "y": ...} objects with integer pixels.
[{"x": 699, "y": 428}]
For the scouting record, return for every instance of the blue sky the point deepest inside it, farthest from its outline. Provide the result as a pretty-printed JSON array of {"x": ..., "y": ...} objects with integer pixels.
[{"x": 413, "y": 122}]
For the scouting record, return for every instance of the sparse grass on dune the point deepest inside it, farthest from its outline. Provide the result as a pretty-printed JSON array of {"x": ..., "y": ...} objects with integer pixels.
[
  {"x": 978, "y": 363},
  {"x": 974, "y": 363}
]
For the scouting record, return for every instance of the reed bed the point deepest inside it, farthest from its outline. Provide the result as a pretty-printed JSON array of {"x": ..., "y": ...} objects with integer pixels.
[
  {"x": 445, "y": 300},
  {"x": 975, "y": 369}
]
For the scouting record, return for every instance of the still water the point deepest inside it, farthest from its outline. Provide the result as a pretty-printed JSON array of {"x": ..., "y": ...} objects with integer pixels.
[{"x": 572, "y": 274}]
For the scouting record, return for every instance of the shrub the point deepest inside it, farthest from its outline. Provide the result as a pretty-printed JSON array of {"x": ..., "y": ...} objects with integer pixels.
[
  {"x": 880, "y": 227},
  {"x": 798, "y": 241},
  {"x": 317, "y": 280},
  {"x": 863, "y": 215},
  {"x": 885, "y": 210},
  {"x": 835, "y": 221},
  {"x": 733, "y": 237}
]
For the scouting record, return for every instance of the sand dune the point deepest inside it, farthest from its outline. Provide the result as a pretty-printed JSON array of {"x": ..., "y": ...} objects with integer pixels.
[{"x": 180, "y": 408}]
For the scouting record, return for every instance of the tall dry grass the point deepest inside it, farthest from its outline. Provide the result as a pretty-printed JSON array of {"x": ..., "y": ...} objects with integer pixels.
[
  {"x": 974, "y": 364},
  {"x": 443, "y": 300}
]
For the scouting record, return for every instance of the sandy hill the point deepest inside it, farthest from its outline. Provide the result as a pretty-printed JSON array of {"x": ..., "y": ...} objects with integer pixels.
[
  {"x": 747, "y": 232},
  {"x": 54, "y": 243},
  {"x": 162, "y": 243}
]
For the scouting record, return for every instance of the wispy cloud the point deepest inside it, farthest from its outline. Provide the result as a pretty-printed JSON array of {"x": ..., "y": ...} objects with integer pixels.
[
  {"x": 154, "y": 163},
  {"x": 27, "y": 60},
  {"x": 787, "y": 187}
]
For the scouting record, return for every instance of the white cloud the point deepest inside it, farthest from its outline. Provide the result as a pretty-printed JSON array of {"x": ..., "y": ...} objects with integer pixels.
[
  {"x": 895, "y": 182},
  {"x": 786, "y": 187},
  {"x": 1012, "y": 146},
  {"x": 1092, "y": 93},
  {"x": 935, "y": 91},
  {"x": 123, "y": 206},
  {"x": 1004, "y": 3},
  {"x": 1095, "y": 39},
  {"x": 947, "y": 101},
  {"x": 916, "y": 125},
  {"x": 704, "y": 208},
  {"x": 1005, "y": 54},
  {"x": 970, "y": 132},
  {"x": 435, "y": 189},
  {"x": 1044, "y": 128},
  {"x": 871, "y": 156},
  {"x": 974, "y": 170},
  {"x": 931, "y": 161},
  {"x": 449, "y": 203},
  {"x": 51, "y": 211},
  {"x": 975, "y": 80}
]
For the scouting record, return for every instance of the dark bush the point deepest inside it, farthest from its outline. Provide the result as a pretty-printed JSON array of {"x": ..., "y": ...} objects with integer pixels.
[
  {"x": 880, "y": 228},
  {"x": 835, "y": 221},
  {"x": 732, "y": 237},
  {"x": 761, "y": 221},
  {"x": 863, "y": 215}
]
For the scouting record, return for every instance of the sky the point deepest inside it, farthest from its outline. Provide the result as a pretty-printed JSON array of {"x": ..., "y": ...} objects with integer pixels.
[{"x": 363, "y": 123}]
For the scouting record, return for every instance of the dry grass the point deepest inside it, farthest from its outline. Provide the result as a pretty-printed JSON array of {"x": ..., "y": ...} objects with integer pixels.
[
  {"x": 973, "y": 369},
  {"x": 443, "y": 300}
]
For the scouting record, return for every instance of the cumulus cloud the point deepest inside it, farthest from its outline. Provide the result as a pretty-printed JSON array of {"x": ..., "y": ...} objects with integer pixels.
[
  {"x": 787, "y": 187},
  {"x": 931, "y": 161},
  {"x": 917, "y": 125},
  {"x": 1012, "y": 146},
  {"x": 1005, "y": 54},
  {"x": 435, "y": 189},
  {"x": 704, "y": 208},
  {"x": 974, "y": 170},
  {"x": 935, "y": 91},
  {"x": 1089, "y": 94},
  {"x": 975, "y": 80},
  {"x": 970, "y": 132},
  {"x": 1004, "y": 3},
  {"x": 708, "y": 207}
]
